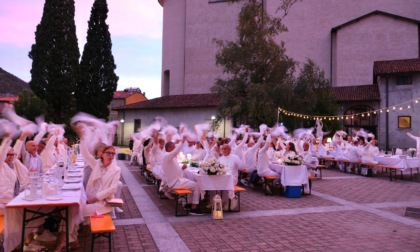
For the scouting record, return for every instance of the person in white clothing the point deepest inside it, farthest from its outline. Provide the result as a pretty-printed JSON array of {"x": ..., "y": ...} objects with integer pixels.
[
  {"x": 9, "y": 186},
  {"x": 263, "y": 163},
  {"x": 175, "y": 177},
  {"x": 50, "y": 154},
  {"x": 231, "y": 161},
  {"x": 188, "y": 147},
  {"x": 369, "y": 152},
  {"x": 239, "y": 149},
  {"x": 199, "y": 152},
  {"x": 31, "y": 159},
  {"x": 417, "y": 139}
]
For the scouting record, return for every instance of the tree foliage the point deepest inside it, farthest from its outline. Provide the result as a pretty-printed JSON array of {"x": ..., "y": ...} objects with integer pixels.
[
  {"x": 313, "y": 91},
  {"x": 259, "y": 73},
  {"x": 30, "y": 106},
  {"x": 259, "y": 76},
  {"x": 55, "y": 59},
  {"x": 98, "y": 80}
]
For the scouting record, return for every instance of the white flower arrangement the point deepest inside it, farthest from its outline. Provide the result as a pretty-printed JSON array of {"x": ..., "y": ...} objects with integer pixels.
[
  {"x": 212, "y": 166},
  {"x": 292, "y": 160}
]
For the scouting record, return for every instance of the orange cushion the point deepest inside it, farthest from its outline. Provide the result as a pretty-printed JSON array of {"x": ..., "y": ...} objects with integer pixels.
[
  {"x": 1, "y": 224},
  {"x": 239, "y": 189},
  {"x": 182, "y": 191},
  {"x": 102, "y": 224}
]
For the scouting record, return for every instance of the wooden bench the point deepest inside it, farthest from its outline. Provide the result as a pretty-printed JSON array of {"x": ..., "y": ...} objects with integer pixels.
[
  {"x": 1, "y": 231},
  {"x": 269, "y": 181},
  {"x": 1, "y": 225},
  {"x": 237, "y": 190},
  {"x": 150, "y": 179},
  {"x": 320, "y": 168},
  {"x": 101, "y": 226},
  {"x": 181, "y": 194}
]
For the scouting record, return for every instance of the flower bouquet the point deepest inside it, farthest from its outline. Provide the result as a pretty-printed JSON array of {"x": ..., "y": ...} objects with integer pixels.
[
  {"x": 212, "y": 166},
  {"x": 292, "y": 160}
]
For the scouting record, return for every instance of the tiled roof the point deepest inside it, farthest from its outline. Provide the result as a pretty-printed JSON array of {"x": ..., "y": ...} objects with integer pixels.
[
  {"x": 122, "y": 94},
  {"x": 396, "y": 66},
  {"x": 356, "y": 93},
  {"x": 175, "y": 101},
  {"x": 8, "y": 99}
]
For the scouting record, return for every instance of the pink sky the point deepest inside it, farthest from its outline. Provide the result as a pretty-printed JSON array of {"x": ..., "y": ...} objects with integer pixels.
[{"x": 135, "y": 27}]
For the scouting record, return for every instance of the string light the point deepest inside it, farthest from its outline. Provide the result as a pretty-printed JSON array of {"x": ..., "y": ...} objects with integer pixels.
[{"x": 352, "y": 116}]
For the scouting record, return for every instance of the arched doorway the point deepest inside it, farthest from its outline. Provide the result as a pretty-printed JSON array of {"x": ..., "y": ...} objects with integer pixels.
[{"x": 360, "y": 116}]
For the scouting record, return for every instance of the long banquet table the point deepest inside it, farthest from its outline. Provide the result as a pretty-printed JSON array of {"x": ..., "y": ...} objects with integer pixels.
[
  {"x": 19, "y": 212},
  {"x": 211, "y": 182},
  {"x": 396, "y": 161}
]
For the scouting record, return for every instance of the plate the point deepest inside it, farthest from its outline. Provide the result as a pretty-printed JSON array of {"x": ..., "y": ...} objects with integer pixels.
[
  {"x": 75, "y": 175},
  {"x": 71, "y": 187},
  {"x": 72, "y": 180},
  {"x": 53, "y": 198}
]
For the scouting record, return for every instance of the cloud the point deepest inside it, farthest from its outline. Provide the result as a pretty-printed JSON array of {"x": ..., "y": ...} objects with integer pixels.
[
  {"x": 150, "y": 85},
  {"x": 133, "y": 18}
]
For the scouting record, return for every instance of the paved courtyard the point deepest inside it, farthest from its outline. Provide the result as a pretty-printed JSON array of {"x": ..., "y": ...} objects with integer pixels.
[{"x": 345, "y": 212}]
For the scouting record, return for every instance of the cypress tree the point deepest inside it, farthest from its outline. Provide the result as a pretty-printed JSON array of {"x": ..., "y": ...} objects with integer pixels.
[
  {"x": 55, "y": 59},
  {"x": 98, "y": 80}
]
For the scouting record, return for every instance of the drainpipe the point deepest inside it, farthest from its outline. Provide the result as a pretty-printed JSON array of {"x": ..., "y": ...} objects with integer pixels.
[{"x": 387, "y": 114}]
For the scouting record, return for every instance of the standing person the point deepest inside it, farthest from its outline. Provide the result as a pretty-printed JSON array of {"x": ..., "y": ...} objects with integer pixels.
[
  {"x": 175, "y": 177},
  {"x": 417, "y": 139}
]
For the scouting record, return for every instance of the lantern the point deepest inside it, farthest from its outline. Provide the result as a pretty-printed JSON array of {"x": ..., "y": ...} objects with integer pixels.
[{"x": 217, "y": 211}]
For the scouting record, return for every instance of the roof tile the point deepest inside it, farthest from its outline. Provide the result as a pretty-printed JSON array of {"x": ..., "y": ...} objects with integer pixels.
[
  {"x": 175, "y": 101},
  {"x": 396, "y": 66},
  {"x": 356, "y": 93}
]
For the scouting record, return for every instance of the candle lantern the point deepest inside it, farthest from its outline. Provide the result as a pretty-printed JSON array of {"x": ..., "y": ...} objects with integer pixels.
[{"x": 217, "y": 211}]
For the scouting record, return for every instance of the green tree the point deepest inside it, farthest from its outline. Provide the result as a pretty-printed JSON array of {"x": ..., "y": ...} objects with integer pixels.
[
  {"x": 259, "y": 73},
  {"x": 313, "y": 91},
  {"x": 98, "y": 80},
  {"x": 30, "y": 106},
  {"x": 55, "y": 59}
]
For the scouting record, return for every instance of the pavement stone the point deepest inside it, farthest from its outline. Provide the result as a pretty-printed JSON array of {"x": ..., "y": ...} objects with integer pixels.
[{"x": 345, "y": 212}]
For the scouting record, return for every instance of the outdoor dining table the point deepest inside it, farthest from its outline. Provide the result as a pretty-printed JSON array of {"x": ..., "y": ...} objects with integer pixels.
[
  {"x": 399, "y": 162},
  {"x": 211, "y": 182},
  {"x": 292, "y": 175},
  {"x": 20, "y": 212}
]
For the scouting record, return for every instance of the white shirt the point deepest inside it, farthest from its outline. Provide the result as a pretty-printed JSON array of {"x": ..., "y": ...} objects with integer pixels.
[
  {"x": 170, "y": 166},
  {"x": 233, "y": 165}
]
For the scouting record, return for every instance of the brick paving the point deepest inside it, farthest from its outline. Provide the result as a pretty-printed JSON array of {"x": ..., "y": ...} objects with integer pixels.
[{"x": 345, "y": 212}]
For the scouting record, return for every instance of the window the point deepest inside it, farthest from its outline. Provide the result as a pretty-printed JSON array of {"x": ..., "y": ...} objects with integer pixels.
[
  {"x": 112, "y": 105},
  {"x": 137, "y": 125},
  {"x": 404, "y": 80},
  {"x": 404, "y": 122}
]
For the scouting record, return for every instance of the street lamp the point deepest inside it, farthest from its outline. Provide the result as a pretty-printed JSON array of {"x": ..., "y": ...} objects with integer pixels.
[{"x": 122, "y": 131}]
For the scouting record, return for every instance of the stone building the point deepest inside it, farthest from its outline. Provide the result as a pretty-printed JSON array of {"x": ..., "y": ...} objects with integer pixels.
[{"x": 346, "y": 39}]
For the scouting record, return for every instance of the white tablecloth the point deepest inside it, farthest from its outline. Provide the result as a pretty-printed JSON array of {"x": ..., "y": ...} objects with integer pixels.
[
  {"x": 211, "y": 182},
  {"x": 398, "y": 162},
  {"x": 294, "y": 175},
  {"x": 74, "y": 199}
]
